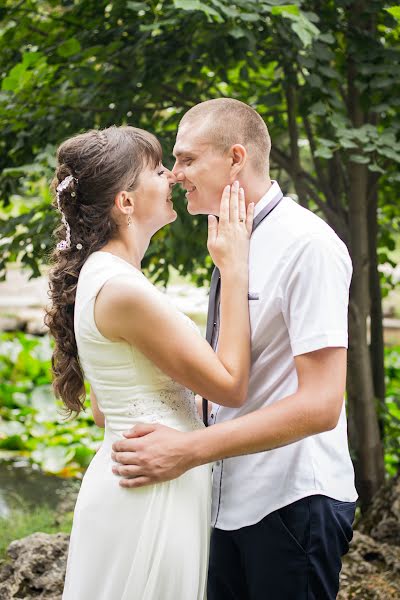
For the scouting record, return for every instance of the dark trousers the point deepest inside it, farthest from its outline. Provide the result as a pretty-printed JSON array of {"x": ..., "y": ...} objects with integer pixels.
[{"x": 294, "y": 553}]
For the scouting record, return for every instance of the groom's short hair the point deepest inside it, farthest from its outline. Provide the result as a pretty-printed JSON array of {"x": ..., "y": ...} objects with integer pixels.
[{"x": 227, "y": 122}]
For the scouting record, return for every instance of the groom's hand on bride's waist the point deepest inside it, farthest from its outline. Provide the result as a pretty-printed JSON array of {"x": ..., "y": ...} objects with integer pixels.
[{"x": 150, "y": 453}]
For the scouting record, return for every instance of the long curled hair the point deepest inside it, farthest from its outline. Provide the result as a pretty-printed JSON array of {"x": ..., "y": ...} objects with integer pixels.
[{"x": 103, "y": 163}]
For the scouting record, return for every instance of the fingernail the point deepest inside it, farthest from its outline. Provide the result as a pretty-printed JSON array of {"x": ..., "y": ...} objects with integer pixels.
[{"x": 236, "y": 183}]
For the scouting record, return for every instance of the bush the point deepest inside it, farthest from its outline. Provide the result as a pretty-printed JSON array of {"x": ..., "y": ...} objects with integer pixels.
[{"x": 32, "y": 423}]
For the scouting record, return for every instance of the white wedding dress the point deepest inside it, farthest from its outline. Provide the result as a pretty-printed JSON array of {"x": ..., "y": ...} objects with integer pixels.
[{"x": 148, "y": 543}]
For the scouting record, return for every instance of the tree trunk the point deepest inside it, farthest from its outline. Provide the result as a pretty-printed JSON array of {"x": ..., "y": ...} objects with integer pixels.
[
  {"x": 291, "y": 100},
  {"x": 363, "y": 423},
  {"x": 376, "y": 313}
]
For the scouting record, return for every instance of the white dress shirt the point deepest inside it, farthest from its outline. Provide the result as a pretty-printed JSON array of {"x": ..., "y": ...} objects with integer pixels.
[{"x": 299, "y": 280}]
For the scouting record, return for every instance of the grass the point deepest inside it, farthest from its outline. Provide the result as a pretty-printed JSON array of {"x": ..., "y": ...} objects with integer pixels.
[{"x": 23, "y": 522}]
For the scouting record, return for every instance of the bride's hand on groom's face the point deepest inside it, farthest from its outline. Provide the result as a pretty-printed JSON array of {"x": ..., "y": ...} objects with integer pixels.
[
  {"x": 150, "y": 453},
  {"x": 228, "y": 238}
]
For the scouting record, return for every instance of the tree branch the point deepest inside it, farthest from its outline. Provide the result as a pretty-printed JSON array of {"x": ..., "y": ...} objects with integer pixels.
[{"x": 336, "y": 220}]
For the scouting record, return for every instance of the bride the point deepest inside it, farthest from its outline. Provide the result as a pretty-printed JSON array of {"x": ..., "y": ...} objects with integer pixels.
[{"x": 144, "y": 361}]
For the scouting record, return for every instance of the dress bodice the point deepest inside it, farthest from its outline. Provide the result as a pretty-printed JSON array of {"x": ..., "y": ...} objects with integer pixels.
[{"x": 129, "y": 387}]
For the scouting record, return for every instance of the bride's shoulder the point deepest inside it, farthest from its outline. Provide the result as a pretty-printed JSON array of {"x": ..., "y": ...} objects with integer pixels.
[{"x": 127, "y": 289}]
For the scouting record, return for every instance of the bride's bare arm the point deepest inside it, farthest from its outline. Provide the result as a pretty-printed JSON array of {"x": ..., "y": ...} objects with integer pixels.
[{"x": 131, "y": 310}]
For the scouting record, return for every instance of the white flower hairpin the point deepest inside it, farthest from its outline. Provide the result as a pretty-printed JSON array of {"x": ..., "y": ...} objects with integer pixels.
[{"x": 65, "y": 244}]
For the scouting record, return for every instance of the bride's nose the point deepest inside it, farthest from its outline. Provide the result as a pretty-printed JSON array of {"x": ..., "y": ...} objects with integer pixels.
[{"x": 171, "y": 177}]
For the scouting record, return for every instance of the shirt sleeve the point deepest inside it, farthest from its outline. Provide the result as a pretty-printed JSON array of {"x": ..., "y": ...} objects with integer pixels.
[{"x": 316, "y": 294}]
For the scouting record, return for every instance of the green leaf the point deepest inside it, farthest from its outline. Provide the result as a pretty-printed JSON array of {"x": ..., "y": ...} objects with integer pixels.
[
  {"x": 44, "y": 402},
  {"x": 375, "y": 168},
  {"x": 21, "y": 74},
  {"x": 389, "y": 153},
  {"x": 328, "y": 38},
  {"x": 314, "y": 80},
  {"x": 285, "y": 9},
  {"x": 237, "y": 32},
  {"x": 319, "y": 108},
  {"x": 306, "y": 30},
  {"x": 328, "y": 72},
  {"x": 326, "y": 142},
  {"x": 69, "y": 48},
  {"x": 324, "y": 152},
  {"x": 394, "y": 11},
  {"x": 190, "y": 5},
  {"x": 347, "y": 143},
  {"x": 358, "y": 158},
  {"x": 53, "y": 459},
  {"x": 137, "y": 6}
]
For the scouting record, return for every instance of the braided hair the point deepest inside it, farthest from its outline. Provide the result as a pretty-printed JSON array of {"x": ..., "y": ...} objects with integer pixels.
[{"x": 101, "y": 163}]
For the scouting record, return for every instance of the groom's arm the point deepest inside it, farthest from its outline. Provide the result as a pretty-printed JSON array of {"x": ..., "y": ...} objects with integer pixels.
[{"x": 153, "y": 453}]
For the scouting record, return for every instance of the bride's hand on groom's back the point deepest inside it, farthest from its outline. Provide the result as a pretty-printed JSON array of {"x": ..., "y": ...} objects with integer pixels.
[{"x": 228, "y": 238}]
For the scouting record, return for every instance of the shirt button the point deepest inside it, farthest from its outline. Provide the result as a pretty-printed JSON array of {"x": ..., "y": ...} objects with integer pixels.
[
  {"x": 212, "y": 415},
  {"x": 218, "y": 463}
]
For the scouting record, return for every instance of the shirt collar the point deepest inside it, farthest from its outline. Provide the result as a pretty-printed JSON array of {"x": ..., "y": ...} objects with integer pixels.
[{"x": 268, "y": 196}]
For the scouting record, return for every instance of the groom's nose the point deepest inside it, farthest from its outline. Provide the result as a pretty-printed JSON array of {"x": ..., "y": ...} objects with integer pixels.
[{"x": 179, "y": 176}]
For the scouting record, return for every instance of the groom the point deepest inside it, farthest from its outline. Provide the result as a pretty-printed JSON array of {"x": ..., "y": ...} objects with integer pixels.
[{"x": 283, "y": 482}]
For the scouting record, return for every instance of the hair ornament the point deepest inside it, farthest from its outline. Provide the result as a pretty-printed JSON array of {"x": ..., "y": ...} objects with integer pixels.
[{"x": 65, "y": 244}]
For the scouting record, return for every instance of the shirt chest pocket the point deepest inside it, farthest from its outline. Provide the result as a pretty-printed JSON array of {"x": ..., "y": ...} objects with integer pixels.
[
  {"x": 255, "y": 305},
  {"x": 253, "y": 296},
  {"x": 264, "y": 313}
]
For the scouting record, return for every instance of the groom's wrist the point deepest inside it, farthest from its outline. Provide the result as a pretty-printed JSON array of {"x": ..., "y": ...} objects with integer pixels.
[
  {"x": 235, "y": 273},
  {"x": 197, "y": 449}
]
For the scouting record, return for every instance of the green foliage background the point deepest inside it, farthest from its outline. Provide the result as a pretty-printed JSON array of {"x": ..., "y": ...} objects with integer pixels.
[{"x": 70, "y": 66}]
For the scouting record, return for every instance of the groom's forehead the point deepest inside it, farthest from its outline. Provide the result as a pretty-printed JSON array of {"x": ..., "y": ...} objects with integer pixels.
[
  {"x": 191, "y": 139},
  {"x": 188, "y": 147}
]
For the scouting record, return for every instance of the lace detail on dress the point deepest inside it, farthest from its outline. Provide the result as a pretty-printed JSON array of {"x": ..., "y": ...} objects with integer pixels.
[{"x": 175, "y": 400}]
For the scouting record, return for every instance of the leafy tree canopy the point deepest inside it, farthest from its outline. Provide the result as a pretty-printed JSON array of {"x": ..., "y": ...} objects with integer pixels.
[{"x": 325, "y": 77}]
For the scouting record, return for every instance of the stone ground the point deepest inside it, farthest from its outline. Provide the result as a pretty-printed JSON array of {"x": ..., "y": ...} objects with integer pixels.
[{"x": 35, "y": 565}]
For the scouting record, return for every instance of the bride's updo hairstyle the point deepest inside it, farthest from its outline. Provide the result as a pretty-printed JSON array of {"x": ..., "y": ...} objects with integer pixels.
[{"x": 98, "y": 165}]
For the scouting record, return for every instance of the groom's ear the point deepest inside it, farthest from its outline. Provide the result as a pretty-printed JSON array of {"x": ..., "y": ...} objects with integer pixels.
[{"x": 238, "y": 156}]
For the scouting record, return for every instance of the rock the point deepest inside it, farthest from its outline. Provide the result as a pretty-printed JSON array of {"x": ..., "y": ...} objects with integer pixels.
[
  {"x": 371, "y": 570},
  {"x": 382, "y": 520},
  {"x": 35, "y": 567}
]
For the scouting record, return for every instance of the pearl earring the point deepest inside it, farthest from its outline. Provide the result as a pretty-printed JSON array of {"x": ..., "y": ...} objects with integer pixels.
[{"x": 129, "y": 220}]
